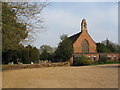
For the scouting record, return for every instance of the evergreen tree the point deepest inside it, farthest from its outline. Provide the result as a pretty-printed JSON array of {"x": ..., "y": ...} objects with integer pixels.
[
  {"x": 65, "y": 49},
  {"x": 107, "y": 46},
  {"x": 25, "y": 56},
  {"x": 110, "y": 46},
  {"x": 33, "y": 53},
  {"x": 45, "y": 55},
  {"x": 102, "y": 48}
]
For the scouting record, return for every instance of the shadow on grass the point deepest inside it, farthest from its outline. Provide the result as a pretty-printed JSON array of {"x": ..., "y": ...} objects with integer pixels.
[
  {"x": 110, "y": 66},
  {"x": 106, "y": 65}
]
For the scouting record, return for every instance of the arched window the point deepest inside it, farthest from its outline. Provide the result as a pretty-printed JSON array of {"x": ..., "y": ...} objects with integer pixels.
[{"x": 85, "y": 46}]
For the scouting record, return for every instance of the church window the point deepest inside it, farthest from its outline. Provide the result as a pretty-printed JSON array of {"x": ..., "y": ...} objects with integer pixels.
[{"x": 85, "y": 46}]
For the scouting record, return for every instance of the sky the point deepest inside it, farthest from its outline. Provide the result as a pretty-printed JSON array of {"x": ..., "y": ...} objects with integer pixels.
[{"x": 65, "y": 18}]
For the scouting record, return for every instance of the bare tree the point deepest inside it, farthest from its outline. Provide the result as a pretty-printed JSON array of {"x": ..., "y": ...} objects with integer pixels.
[{"x": 29, "y": 13}]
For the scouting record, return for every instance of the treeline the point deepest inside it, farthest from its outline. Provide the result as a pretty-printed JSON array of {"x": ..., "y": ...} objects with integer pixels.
[
  {"x": 62, "y": 53},
  {"x": 24, "y": 55},
  {"x": 16, "y": 28},
  {"x": 29, "y": 54},
  {"x": 108, "y": 46}
]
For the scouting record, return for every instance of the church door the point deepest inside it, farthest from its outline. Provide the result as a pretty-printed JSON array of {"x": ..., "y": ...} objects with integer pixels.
[{"x": 85, "y": 46}]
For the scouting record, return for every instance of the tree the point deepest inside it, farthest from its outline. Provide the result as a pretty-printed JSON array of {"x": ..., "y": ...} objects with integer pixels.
[
  {"x": 118, "y": 48},
  {"x": 33, "y": 53},
  {"x": 45, "y": 55},
  {"x": 36, "y": 54},
  {"x": 46, "y": 48},
  {"x": 102, "y": 48},
  {"x": 7, "y": 56},
  {"x": 22, "y": 18},
  {"x": 25, "y": 56},
  {"x": 63, "y": 37},
  {"x": 46, "y": 52},
  {"x": 12, "y": 31},
  {"x": 29, "y": 13},
  {"x": 65, "y": 49},
  {"x": 110, "y": 45},
  {"x": 107, "y": 46},
  {"x": 107, "y": 42},
  {"x": 16, "y": 28}
]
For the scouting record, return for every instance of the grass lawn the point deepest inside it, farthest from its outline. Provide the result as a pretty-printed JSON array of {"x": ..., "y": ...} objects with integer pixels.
[{"x": 95, "y": 76}]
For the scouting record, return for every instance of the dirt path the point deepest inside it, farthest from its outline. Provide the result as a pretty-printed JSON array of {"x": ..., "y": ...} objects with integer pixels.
[{"x": 104, "y": 76}]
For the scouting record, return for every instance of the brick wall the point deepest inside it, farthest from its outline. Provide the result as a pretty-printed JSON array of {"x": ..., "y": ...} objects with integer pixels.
[
  {"x": 78, "y": 43},
  {"x": 95, "y": 56}
]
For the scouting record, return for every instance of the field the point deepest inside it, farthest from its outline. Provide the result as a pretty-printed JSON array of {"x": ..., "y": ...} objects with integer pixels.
[{"x": 100, "y": 76}]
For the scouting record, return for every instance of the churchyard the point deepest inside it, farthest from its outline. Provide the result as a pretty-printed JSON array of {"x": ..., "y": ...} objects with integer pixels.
[{"x": 69, "y": 53}]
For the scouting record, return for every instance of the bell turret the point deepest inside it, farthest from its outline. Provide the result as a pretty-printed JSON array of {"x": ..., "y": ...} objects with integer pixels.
[{"x": 83, "y": 25}]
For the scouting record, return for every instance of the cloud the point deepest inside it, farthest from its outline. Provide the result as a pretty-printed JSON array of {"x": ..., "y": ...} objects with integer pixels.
[
  {"x": 101, "y": 19},
  {"x": 105, "y": 24}
]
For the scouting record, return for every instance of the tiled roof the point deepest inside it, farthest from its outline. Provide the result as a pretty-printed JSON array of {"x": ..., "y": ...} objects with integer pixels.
[{"x": 73, "y": 38}]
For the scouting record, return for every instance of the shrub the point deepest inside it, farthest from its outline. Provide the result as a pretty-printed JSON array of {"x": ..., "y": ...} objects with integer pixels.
[
  {"x": 103, "y": 59},
  {"x": 78, "y": 62},
  {"x": 87, "y": 62},
  {"x": 110, "y": 61},
  {"x": 95, "y": 62},
  {"x": 83, "y": 61}
]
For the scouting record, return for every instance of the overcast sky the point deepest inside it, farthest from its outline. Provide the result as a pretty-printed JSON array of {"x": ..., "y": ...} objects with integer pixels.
[{"x": 65, "y": 18}]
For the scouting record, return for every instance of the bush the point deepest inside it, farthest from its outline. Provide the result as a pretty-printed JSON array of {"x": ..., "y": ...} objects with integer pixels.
[
  {"x": 103, "y": 59},
  {"x": 87, "y": 62},
  {"x": 119, "y": 61},
  {"x": 110, "y": 61},
  {"x": 78, "y": 62},
  {"x": 83, "y": 61}
]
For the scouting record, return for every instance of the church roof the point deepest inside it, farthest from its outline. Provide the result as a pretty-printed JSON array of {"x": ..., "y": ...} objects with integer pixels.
[{"x": 74, "y": 37}]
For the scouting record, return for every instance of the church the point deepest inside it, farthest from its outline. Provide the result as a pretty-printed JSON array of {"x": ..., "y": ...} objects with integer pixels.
[{"x": 83, "y": 44}]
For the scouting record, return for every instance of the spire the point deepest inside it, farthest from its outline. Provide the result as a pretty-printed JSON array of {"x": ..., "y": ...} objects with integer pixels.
[{"x": 83, "y": 25}]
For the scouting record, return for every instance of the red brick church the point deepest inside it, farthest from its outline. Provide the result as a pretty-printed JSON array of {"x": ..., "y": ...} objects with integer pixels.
[{"x": 83, "y": 44}]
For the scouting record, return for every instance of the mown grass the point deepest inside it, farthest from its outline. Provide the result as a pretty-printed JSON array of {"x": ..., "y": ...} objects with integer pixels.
[{"x": 105, "y": 63}]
